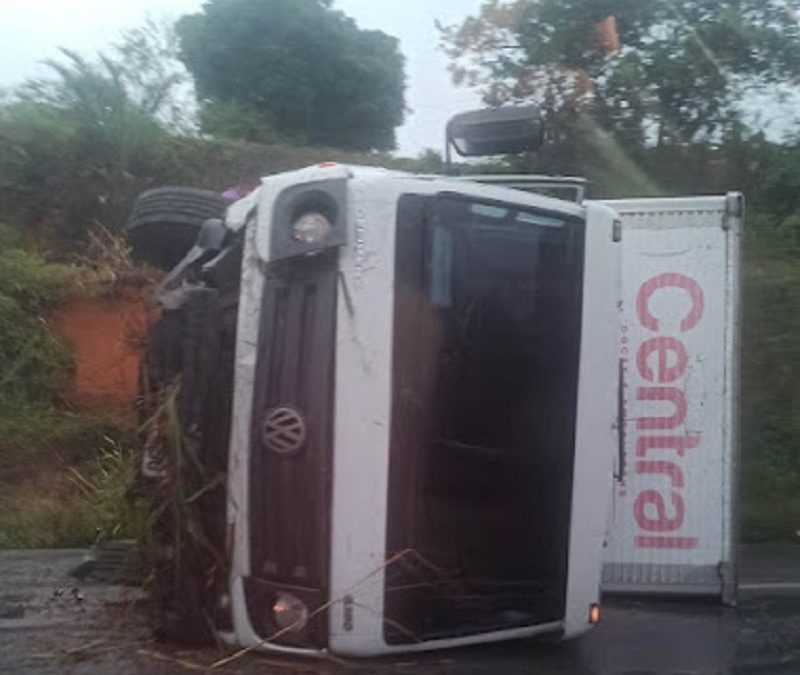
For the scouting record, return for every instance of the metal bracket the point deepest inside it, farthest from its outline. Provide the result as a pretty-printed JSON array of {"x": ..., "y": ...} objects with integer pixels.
[
  {"x": 734, "y": 209},
  {"x": 616, "y": 235},
  {"x": 727, "y": 575},
  {"x": 621, "y": 472}
]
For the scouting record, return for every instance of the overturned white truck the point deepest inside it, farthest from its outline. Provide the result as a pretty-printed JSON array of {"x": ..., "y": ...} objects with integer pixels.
[{"x": 449, "y": 408}]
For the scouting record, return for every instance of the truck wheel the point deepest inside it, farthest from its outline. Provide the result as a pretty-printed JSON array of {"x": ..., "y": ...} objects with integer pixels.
[{"x": 164, "y": 222}]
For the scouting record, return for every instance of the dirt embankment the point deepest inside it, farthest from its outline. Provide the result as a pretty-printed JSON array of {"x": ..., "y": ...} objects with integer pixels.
[{"x": 107, "y": 336}]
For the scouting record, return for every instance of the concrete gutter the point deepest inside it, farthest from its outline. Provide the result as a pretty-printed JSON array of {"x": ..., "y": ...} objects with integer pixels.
[{"x": 769, "y": 570}]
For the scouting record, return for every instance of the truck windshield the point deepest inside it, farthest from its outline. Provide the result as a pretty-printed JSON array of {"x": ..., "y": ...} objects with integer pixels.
[{"x": 487, "y": 334}]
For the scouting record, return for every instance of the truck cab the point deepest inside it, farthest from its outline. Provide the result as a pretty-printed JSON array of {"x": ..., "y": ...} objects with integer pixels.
[{"x": 424, "y": 412}]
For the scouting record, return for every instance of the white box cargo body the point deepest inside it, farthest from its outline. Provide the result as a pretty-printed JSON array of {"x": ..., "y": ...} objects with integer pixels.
[{"x": 673, "y": 521}]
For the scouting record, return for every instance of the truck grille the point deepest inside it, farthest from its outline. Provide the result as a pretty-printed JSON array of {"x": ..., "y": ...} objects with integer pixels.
[{"x": 291, "y": 436}]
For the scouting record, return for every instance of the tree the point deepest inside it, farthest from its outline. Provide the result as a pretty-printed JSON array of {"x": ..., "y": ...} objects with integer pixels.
[
  {"x": 111, "y": 129},
  {"x": 140, "y": 75},
  {"x": 238, "y": 122},
  {"x": 155, "y": 78},
  {"x": 305, "y": 67},
  {"x": 663, "y": 71},
  {"x": 120, "y": 103},
  {"x": 88, "y": 136}
]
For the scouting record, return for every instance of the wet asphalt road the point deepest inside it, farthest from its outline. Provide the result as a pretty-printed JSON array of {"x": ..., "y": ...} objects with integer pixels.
[{"x": 47, "y": 627}]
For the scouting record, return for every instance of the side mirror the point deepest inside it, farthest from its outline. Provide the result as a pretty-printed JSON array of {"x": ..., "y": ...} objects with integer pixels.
[
  {"x": 212, "y": 235},
  {"x": 210, "y": 241},
  {"x": 498, "y": 131}
]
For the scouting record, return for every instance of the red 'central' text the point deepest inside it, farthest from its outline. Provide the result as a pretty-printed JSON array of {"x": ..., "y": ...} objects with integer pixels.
[{"x": 661, "y": 362}]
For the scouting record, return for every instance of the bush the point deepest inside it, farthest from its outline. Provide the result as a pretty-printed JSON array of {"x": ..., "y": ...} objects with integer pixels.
[
  {"x": 42, "y": 503},
  {"x": 33, "y": 437},
  {"x": 75, "y": 148},
  {"x": 27, "y": 279},
  {"x": 237, "y": 122},
  {"x": 770, "y": 473},
  {"x": 107, "y": 488},
  {"x": 57, "y": 178},
  {"x": 38, "y": 156},
  {"x": 46, "y": 513},
  {"x": 75, "y": 507},
  {"x": 34, "y": 366}
]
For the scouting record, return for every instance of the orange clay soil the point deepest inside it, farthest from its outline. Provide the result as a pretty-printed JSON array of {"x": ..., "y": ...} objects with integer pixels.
[{"x": 107, "y": 336}]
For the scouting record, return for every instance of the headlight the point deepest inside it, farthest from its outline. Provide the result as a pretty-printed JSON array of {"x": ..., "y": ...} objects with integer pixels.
[
  {"x": 311, "y": 228},
  {"x": 308, "y": 218},
  {"x": 289, "y": 612}
]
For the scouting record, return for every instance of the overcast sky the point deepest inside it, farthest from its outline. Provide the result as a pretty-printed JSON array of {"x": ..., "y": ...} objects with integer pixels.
[{"x": 31, "y": 30}]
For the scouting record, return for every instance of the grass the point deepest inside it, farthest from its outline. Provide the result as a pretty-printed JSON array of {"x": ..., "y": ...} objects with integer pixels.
[
  {"x": 47, "y": 512},
  {"x": 770, "y": 472},
  {"x": 34, "y": 366},
  {"x": 65, "y": 473},
  {"x": 107, "y": 488},
  {"x": 769, "y": 516},
  {"x": 64, "y": 506},
  {"x": 37, "y": 437}
]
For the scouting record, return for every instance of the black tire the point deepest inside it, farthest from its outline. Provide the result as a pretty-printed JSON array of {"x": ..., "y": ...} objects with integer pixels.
[{"x": 165, "y": 222}]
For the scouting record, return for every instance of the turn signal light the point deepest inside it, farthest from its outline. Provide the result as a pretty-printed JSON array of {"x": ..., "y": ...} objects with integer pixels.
[{"x": 594, "y": 614}]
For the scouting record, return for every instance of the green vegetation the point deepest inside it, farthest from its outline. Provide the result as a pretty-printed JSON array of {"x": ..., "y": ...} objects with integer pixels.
[
  {"x": 46, "y": 514},
  {"x": 34, "y": 365},
  {"x": 771, "y": 398},
  {"x": 106, "y": 486},
  {"x": 42, "y": 501},
  {"x": 76, "y": 504},
  {"x": 299, "y": 67},
  {"x": 55, "y": 183},
  {"x": 674, "y": 72}
]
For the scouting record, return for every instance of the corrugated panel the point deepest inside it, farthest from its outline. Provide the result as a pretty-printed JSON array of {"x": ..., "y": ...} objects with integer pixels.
[
  {"x": 290, "y": 490},
  {"x": 626, "y": 575},
  {"x": 672, "y": 525}
]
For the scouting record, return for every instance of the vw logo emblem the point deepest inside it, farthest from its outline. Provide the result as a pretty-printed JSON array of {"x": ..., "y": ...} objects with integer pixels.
[{"x": 284, "y": 430}]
